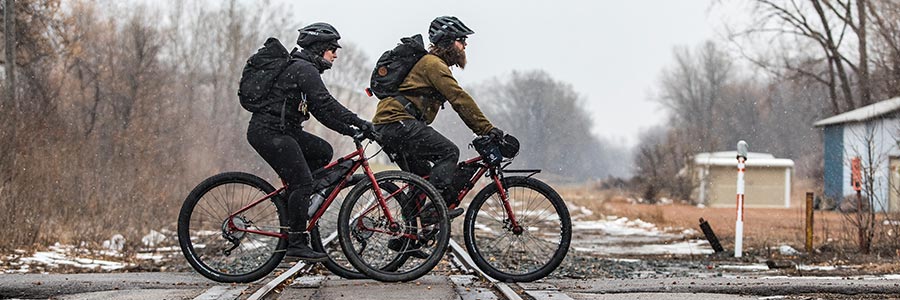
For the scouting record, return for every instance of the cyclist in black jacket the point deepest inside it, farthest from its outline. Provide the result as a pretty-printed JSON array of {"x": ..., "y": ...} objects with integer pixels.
[{"x": 277, "y": 135}]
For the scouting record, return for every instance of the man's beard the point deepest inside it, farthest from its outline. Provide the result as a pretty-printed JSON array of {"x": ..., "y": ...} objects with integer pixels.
[
  {"x": 461, "y": 59},
  {"x": 451, "y": 55}
]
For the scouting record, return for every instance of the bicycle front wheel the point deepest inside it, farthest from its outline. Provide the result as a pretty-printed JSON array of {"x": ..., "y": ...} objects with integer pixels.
[
  {"x": 323, "y": 238},
  {"x": 533, "y": 247},
  {"x": 418, "y": 227},
  {"x": 213, "y": 247}
]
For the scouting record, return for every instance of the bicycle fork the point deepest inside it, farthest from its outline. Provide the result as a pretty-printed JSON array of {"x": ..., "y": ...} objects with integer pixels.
[{"x": 511, "y": 223}]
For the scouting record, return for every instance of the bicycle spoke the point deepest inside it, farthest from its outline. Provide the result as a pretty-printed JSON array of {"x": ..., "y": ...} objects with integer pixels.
[
  {"x": 219, "y": 201},
  {"x": 205, "y": 228},
  {"x": 502, "y": 249}
]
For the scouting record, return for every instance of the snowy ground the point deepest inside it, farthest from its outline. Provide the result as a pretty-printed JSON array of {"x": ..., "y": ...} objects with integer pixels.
[
  {"x": 616, "y": 236},
  {"x": 608, "y": 237},
  {"x": 69, "y": 258},
  {"x": 602, "y": 246}
]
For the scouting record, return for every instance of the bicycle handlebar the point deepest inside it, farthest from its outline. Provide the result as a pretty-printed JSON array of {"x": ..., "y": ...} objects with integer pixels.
[{"x": 361, "y": 136}]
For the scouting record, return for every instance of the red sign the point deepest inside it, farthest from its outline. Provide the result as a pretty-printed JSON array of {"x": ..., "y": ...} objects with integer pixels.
[{"x": 856, "y": 174}]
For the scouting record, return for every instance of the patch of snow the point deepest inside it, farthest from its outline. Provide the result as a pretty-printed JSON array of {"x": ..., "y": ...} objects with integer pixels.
[
  {"x": 483, "y": 227},
  {"x": 150, "y": 256},
  {"x": 578, "y": 212},
  {"x": 625, "y": 260},
  {"x": 892, "y": 222},
  {"x": 56, "y": 258},
  {"x": 168, "y": 249},
  {"x": 115, "y": 243},
  {"x": 585, "y": 211},
  {"x": 803, "y": 277},
  {"x": 816, "y": 268},
  {"x": 690, "y": 247},
  {"x": 163, "y": 249},
  {"x": 745, "y": 268},
  {"x": 689, "y": 232},
  {"x": 110, "y": 253},
  {"x": 619, "y": 226},
  {"x": 153, "y": 238},
  {"x": 788, "y": 250}
]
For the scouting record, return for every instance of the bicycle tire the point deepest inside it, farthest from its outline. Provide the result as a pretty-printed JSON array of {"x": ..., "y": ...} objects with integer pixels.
[
  {"x": 497, "y": 221},
  {"x": 249, "y": 187},
  {"x": 337, "y": 262},
  {"x": 439, "y": 231}
]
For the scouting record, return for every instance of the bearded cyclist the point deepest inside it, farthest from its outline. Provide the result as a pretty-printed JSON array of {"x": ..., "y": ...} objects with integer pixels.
[{"x": 404, "y": 121}]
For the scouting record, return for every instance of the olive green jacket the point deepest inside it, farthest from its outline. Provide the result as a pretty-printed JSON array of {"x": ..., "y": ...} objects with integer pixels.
[{"x": 428, "y": 83}]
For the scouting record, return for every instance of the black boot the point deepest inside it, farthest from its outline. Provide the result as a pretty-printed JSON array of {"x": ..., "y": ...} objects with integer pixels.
[
  {"x": 298, "y": 246},
  {"x": 298, "y": 238},
  {"x": 450, "y": 195}
]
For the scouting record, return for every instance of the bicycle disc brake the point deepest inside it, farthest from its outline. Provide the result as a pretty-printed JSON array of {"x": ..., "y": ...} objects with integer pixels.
[{"x": 361, "y": 231}]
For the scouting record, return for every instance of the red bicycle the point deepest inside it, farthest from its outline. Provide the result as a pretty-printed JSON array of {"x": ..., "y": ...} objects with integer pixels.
[
  {"x": 232, "y": 226},
  {"x": 517, "y": 228}
]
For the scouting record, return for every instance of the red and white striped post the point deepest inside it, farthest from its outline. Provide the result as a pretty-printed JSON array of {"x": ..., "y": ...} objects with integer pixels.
[{"x": 739, "y": 223}]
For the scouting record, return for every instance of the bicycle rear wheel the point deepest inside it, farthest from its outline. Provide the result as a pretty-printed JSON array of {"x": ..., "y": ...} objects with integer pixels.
[
  {"x": 529, "y": 251},
  {"x": 420, "y": 229},
  {"x": 323, "y": 238},
  {"x": 226, "y": 255}
]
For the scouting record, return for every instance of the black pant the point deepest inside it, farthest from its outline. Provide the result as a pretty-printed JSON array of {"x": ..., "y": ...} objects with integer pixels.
[
  {"x": 419, "y": 146},
  {"x": 293, "y": 153}
]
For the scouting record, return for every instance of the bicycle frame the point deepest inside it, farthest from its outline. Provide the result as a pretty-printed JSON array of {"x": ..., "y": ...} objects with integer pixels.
[
  {"x": 496, "y": 175},
  {"x": 359, "y": 160}
]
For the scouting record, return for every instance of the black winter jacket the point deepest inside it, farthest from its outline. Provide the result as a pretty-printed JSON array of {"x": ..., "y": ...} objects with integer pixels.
[{"x": 303, "y": 77}]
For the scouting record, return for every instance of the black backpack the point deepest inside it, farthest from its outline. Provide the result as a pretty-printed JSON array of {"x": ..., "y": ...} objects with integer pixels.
[
  {"x": 393, "y": 66},
  {"x": 260, "y": 72}
]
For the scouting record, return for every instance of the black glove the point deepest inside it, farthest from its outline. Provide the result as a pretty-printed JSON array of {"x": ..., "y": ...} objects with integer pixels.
[
  {"x": 368, "y": 130},
  {"x": 495, "y": 134},
  {"x": 365, "y": 126}
]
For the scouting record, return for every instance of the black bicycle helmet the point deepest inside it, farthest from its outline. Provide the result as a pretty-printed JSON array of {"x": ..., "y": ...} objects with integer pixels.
[
  {"x": 447, "y": 28},
  {"x": 318, "y": 32}
]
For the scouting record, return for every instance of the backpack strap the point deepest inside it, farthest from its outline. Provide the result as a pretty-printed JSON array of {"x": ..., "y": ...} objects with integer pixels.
[
  {"x": 284, "y": 101},
  {"x": 410, "y": 108}
]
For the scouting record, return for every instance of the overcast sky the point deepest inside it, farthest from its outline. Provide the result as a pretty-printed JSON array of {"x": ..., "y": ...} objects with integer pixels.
[{"x": 612, "y": 52}]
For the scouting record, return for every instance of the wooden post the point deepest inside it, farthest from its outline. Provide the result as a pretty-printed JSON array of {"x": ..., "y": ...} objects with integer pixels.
[
  {"x": 711, "y": 236},
  {"x": 809, "y": 222}
]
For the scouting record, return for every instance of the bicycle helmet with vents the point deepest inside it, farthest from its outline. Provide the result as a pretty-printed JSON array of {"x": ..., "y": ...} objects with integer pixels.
[
  {"x": 316, "y": 33},
  {"x": 447, "y": 28}
]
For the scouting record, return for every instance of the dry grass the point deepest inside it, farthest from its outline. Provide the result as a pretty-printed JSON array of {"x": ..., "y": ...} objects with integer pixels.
[{"x": 764, "y": 228}]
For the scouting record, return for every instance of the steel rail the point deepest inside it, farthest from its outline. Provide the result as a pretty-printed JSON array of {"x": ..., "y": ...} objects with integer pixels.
[
  {"x": 463, "y": 261},
  {"x": 300, "y": 266}
]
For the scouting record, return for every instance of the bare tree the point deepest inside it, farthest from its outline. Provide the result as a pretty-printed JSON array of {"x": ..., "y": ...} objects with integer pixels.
[
  {"x": 829, "y": 25},
  {"x": 885, "y": 22},
  {"x": 867, "y": 147},
  {"x": 691, "y": 91},
  {"x": 549, "y": 120}
]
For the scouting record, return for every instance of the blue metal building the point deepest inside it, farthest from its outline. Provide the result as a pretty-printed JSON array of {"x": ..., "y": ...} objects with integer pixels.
[{"x": 870, "y": 133}]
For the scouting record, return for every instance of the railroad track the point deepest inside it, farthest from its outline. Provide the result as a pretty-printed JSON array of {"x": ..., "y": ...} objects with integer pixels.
[
  {"x": 462, "y": 260},
  {"x": 458, "y": 257}
]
